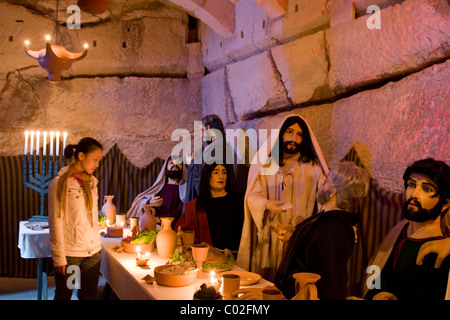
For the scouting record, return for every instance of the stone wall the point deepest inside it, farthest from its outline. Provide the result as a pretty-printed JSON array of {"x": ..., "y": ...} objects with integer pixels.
[
  {"x": 133, "y": 88},
  {"x": 384, "y": 91}
]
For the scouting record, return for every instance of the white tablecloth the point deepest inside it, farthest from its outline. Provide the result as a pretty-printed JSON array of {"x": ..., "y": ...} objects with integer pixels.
[
  {"x": 121, "y": 272},
  {"x": 33, "y": 243}
]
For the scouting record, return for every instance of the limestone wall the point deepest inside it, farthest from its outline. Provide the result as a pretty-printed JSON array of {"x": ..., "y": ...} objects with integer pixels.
[
  {"x": 384, "y": 91},
  {"x": 133, "y": 88}
]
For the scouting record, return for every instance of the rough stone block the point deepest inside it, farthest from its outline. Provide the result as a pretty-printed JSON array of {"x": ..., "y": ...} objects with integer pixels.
[
  {"x": 303, "y": 66},
  {"x": 301, "y": 18},
  {"x": 251, "y": 36},
  {"x": 412, "y": 35},
  {"x": 152, "y": 46},
  {"x": 195, "y": 68},
  {"x": 141, "y": 122},
  {"x": 213, "y": 52},
  {"x": 342, "y": 13},
  {"x": 273, "y": 8},
  {"x": 255, "y": 85},
  {"x": 399, "y": 123},
  {"x": 216, "y": 96}
]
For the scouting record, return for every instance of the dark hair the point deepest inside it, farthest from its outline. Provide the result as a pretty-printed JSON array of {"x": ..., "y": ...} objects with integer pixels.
[
  {"x": 205, "y": 188},
  {"x": 307, "y": 153},
  {"x": 438, "y": 171},
  {"x": 85, "y": 145},
  {"x": 214, "y": 121}
]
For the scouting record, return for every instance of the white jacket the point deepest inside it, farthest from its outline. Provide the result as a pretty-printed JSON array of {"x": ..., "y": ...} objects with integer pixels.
[{"x": 71, "y": 233}]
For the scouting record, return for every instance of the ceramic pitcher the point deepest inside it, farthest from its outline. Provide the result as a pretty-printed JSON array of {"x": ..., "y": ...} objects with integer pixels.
[
  {"x": 148, "y": 218},
  {"x": 109, "y": 209},
  {"x": 305, "y": 287},
  {"x": 166, "y": 239}
]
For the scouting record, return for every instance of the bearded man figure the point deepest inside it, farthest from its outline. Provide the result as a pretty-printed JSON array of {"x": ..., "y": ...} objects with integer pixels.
[
  {"x": 164, "y": 194},
  {"x": 279, "y": 198},
  {"x": 427, "y": 199}
]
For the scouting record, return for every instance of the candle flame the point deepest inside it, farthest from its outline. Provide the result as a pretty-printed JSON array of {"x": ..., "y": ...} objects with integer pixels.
[
  {"x": 47, "y": 37},
  {"x": 27, "y": 43}
]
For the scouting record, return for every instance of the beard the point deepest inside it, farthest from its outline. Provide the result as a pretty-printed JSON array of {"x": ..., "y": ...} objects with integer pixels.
[
  {"x": 291, "y": 151},
  {"x": 420, "y": 214},
  {"x": 174, "y": 174}
]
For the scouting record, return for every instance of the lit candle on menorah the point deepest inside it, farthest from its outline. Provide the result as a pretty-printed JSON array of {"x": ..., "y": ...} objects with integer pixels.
[{"x": 37, "y": 173}]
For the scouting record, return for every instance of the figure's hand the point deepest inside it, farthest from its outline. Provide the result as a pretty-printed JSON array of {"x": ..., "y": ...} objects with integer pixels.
[
  {"x": 274, "y": 205},
  {"x": 156, "y": 201},
  {"x": 441, "y": 247},
  {"x": 384, "y": 296},
  {"x": 61, "y": 270}
]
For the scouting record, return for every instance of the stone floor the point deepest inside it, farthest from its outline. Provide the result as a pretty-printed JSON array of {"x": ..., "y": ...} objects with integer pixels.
[{"x": 26, "y": 288}]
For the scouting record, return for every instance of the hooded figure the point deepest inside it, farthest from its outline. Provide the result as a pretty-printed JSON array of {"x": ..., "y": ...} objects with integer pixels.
[
  {"x": 293, "y": 183},
  {"x": 155, "y": 190}
]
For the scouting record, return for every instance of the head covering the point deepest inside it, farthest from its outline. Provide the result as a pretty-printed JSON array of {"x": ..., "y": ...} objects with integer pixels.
[
  {"x": 264, "y": 163},
  {"x": 142, "y": 198}
]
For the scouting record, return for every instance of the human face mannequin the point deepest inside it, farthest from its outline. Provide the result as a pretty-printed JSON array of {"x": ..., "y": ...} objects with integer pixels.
[
  {"x": 218, "y": 180},
  {"x": 292, "y": 138},
  {"x": 421, "y": 199},
  {"x": 174, "y": 165},
  {"x": 88, "y": 162}
]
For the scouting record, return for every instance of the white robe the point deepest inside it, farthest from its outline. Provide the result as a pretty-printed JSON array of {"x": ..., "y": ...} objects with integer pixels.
[{"x": 260, "y": 249}]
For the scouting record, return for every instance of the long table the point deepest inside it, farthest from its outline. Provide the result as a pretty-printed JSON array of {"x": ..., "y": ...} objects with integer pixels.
[{"x": 120, "y": 271}]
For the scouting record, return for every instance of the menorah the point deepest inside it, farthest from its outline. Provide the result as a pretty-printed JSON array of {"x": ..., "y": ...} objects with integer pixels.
[{"x": 38, "y": 168}]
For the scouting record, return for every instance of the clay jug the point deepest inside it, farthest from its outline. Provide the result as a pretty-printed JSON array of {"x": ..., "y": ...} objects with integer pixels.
[
  {"x": 305, "y": 287},
  {"x": 109, "y": 209},
  {"x": 166, "y": 239},
  {"x": 148, "y": 218}
]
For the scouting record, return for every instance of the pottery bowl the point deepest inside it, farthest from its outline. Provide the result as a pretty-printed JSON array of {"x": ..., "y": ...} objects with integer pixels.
[
  {"x": 132, "y": 248},
  {"x": 174, "y": 280}
]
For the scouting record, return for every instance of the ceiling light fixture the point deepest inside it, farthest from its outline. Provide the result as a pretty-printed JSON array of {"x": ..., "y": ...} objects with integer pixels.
[{"x": 55, "y": 59}]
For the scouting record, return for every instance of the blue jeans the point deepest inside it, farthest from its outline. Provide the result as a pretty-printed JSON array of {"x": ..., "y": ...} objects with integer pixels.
[{"x": 89, "y": 271}]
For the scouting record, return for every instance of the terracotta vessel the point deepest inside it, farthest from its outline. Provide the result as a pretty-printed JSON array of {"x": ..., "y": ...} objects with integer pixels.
[
  {"x": 174, "y": 280},
  {"x": 109, "y": 209},
  {"x": 93, "y": 6},
  {"x": 305, "y": 287},
  {"x": 148, "y": 218},
  {"x": 55, "y": 59},
  {"x": 166, "y": 239},
  {"x": 200, "y": 253}
]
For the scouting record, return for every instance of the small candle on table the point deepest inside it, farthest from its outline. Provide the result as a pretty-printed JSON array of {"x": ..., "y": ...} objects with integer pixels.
[{"x": 138, "y": 250}]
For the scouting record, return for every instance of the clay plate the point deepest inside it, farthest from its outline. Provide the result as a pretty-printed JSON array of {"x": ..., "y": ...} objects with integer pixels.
[
  {"x": 174, "y": 280},
  {"x": 247, "y": 278}
]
